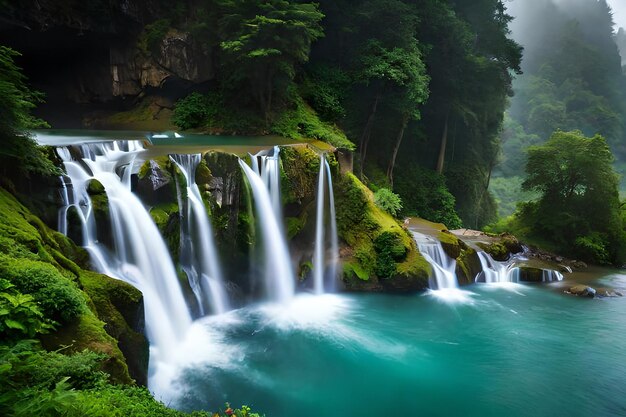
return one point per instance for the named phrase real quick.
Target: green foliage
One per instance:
(301, 122)
(20, 316)
(508, 192)
(578, 209)
(425, 194)
(325, 89)
(58, 297)
(195, 110)
(388, 201)
(389, 249)
(19, 152)
(263, 42)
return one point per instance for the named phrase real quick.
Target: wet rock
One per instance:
(582, 291)
(156, 177)
(608, 292)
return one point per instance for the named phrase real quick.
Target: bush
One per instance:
(20, 316)
(389, 250)
(425, 194)
(193, 110)
(58, 297)
(592, 249)
(387, 200)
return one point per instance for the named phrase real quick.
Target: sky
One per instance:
(619, 12)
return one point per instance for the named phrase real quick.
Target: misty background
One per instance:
(573, 79)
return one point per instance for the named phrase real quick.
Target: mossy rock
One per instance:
(203, 173)
(95, 187)
(411, 275)
(120, 306)
(467, 266)
(451, 245)
(530, 274)
(497, 250)
(381, 248)
(502, 247)
(87, 332)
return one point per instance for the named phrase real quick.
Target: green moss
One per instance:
(497, 250)
(467, 266)
(120, 306)
(295, 225)
(381, 246)
(299, 171)
(203, 173)
(87, 332)
(450, 244)
(354, 269)
(301, 122)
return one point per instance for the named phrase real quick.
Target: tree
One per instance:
(263, 42)
(18, 153)
(579, 199)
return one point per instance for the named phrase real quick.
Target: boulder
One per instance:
(582, 291)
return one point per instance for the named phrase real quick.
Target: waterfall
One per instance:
(499, 272)
(198, 256)
(266, 164)
(334, 240)
(494, 271)
(444, 274)
(320, 246)
(279, 278)
(320, 263)
(549, 275)
(140, 257)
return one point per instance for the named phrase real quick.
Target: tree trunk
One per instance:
(365, 137)
(392, 162)
(442, 149)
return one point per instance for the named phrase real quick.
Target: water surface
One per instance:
(515, 350)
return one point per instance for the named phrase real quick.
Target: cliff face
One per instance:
(88, 56)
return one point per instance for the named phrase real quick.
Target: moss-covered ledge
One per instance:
(379, 255)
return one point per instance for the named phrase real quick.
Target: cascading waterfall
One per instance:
(279, 277)
(444, 274)
(140, 257)
(198, 256)
(502, 272)
(266, 164)
(320, 263)
(494, 271)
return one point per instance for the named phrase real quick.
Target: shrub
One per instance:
(425, 194)
(388, 201)
(58, 297)
(592, 249)
(20, 316)
(193, 110)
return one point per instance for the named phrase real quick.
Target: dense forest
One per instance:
(451, 117)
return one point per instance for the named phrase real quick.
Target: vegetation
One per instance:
(19, 155)
(578, 210)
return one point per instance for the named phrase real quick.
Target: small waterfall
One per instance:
(140, 256)
(279, 278)
(549, 275)
(320, 263)
(198, 256)
(334, 240)
(494, 271)
(266, 164)
(444, 274)
(320, 246)
(499, 272)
